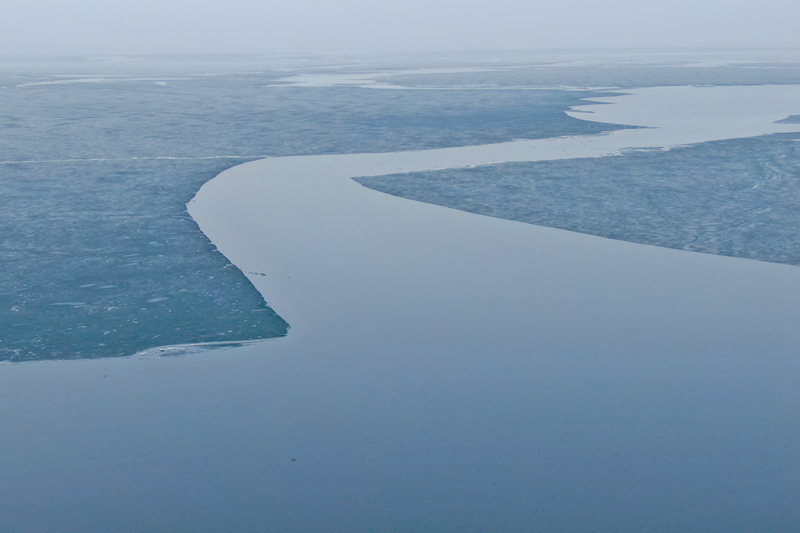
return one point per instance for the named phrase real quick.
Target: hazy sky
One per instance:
(371, 25)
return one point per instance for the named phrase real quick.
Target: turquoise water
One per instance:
(738, 197)
(98, 159)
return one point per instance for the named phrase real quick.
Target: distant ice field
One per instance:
(99, 155)
(98, 256)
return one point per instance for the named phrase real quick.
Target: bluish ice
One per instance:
(738, 197)
(98, 256)
(98, 158)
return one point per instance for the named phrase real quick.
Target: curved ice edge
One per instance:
(157, 352)
(306, 195)
(178, 350)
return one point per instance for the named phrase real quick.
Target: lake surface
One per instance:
(510, 377)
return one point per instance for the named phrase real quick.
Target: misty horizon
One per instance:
(364, 26)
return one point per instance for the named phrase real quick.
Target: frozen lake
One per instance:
(444, 371)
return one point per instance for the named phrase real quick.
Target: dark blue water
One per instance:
(738, 197)
(98, 256)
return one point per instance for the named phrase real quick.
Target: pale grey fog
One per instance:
(372, 25)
